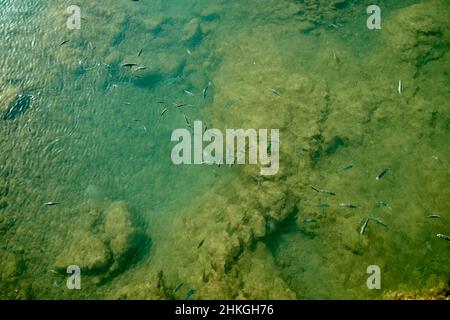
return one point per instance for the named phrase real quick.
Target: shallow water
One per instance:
(96, 140)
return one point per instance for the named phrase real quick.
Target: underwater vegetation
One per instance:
(86, 178)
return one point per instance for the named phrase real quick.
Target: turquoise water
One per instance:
(96, 139)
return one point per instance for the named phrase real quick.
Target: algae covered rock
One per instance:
(210, 13)
(191, 30)
(154, 24)
(86, 251)
(420, 32)
(439, 291)
(10, 265)
(162, 65)
(306, 26)
(316, 13)
(275, 201)
(7, 98)
(13, 103)
(261, 278)
(168, 64)
(123, 237)
(105, 247)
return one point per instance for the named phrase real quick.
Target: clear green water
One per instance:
(95, 136)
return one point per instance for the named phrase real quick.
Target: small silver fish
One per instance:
(327, 192)
(129, 65)
(434, 216)
(190, 293)
(275, 92)
(400, 87)
(382, 174)
(382, 204)
(230, 104)
(322, 206)
(187, 120)
(443, 236)
(177, 288)
(379, 221)
(364, 226)
(205, 90)
(348, 167)
(309, 220)
(163, 112)
(189, 93)
(62, 43)
(51, 203)
(348, 205)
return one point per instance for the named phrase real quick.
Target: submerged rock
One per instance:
(191, 31)
(333, 145)
(169, 64)
(107, 247)
(154, 24)
(123, 237)
(13, 103)
(316, 14)
(210, 13)
(21, 103)
(439, 291)
(7, 97)
(306, 26)
(86, 251)
(160, 66)
(10, 265)
(261, 279)
(420, 33)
